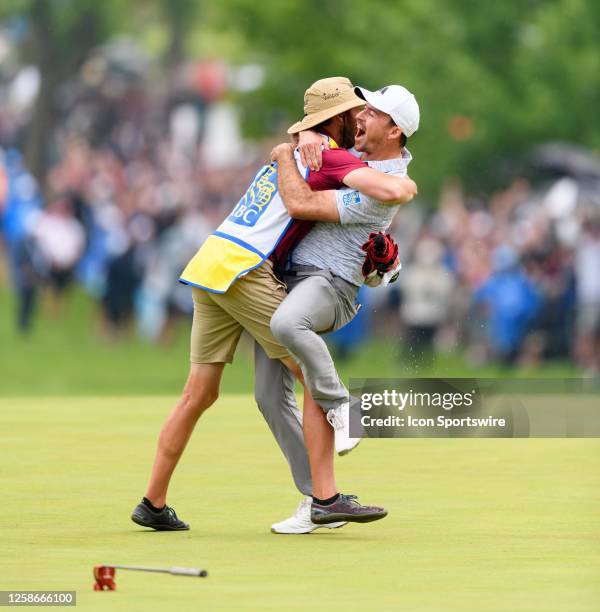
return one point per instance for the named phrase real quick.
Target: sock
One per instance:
(150, 507)
(326, 502)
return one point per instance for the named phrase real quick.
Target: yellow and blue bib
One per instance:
(246, 238)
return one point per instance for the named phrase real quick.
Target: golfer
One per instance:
(323, 279)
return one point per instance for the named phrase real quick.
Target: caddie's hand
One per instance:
(310, 147)
(283, 149)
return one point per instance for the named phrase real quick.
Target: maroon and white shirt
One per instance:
(337, 163)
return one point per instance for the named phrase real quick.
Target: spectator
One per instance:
(21, 201)
(587, 269)
(511, 301)
(426, 286)
(125, 272)
(60, 238)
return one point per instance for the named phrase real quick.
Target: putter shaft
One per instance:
(175, 571)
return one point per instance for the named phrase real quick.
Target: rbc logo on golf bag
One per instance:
(255, 201)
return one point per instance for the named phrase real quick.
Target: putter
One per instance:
(105, 574)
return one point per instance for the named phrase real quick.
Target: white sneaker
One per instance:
(339, 419)
(300, 522)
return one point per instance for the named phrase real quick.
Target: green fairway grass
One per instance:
(66, 354)
(474, 524)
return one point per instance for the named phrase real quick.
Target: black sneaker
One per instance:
(166, 520)
(345, 508)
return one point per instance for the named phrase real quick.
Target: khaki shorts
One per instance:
(220, 318)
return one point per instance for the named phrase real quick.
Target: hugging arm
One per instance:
(299, 199)
(303, 203)
(385, 188)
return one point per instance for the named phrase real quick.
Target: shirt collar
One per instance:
(398, 164)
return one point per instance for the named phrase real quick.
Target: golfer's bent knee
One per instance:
(278, 324)
(285, 328)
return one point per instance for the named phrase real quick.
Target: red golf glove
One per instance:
(381, 253)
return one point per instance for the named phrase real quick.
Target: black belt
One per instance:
(296, 269)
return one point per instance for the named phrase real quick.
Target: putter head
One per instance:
(105, 578)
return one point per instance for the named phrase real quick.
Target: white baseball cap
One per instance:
(397, 102)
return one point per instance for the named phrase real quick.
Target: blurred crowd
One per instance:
(121, 226)
(512, 279)
(134, 187)
(136, 182)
